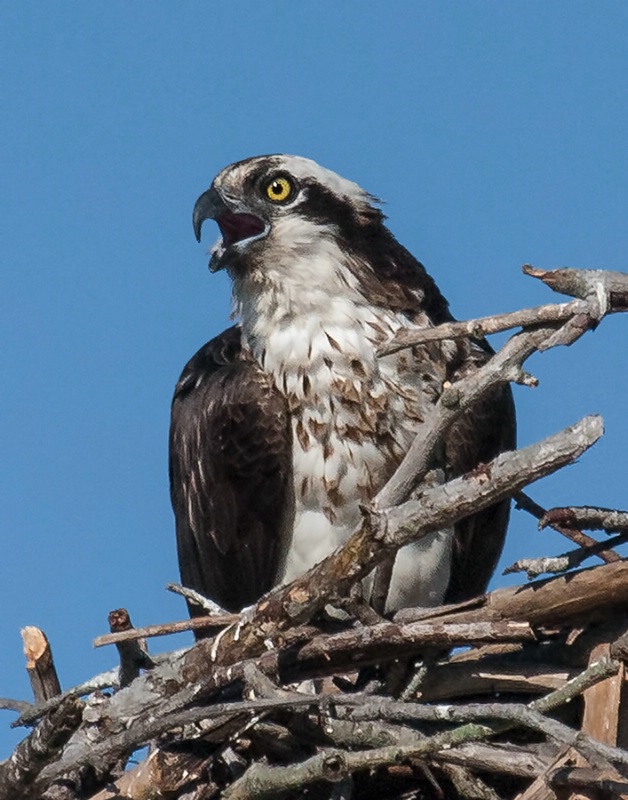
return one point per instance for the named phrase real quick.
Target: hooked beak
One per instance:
(234, 226)
(208, 206)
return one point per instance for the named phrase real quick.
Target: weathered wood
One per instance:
(540, 789)
(133, 653)
(164, 773)
(42, 747)
(166, 629)
(40, 664)
(593, 593)
(602, 702)
(601, 718)
(525, 502)
(590, 784)
(451, 681)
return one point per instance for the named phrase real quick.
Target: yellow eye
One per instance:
(278, 190)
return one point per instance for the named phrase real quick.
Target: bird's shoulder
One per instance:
(224, 350)
(225, 392)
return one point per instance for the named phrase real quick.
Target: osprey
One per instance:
(286, 422)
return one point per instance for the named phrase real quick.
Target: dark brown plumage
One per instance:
(230, 475)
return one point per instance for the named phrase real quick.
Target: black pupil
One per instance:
(276, 187)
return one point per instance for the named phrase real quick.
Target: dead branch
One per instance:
(484, 326)
(166, 629)
(593, 519)
(611, 287)
(9, 704)
(592, 288)
(552, 602)
(570, 560)
(40, 748)
(333, 764)
(510, 759)
(573, 778)
(32, 713)
(523, 501)
(40, 665)
(504, 367)
(209, 605)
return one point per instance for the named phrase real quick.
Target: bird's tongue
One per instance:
(236, 227)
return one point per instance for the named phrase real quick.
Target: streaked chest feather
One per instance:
(354, 415)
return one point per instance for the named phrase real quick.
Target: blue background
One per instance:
(495, 131)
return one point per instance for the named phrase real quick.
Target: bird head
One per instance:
(272, 206)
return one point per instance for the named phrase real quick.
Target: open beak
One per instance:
(234, 226)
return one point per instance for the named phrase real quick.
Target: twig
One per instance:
(591, 518)
(556, 564)
(525, 502)
(391, 640)
(484, 326)
(166, 628)
(101, 753)
(585, 283)
(384, 707)
(21, 706)
(198, 599)
(381, 583)
(503, 367)
(492, 758)
(105, 680)
(598, 292)
(593, 287)
(596, 672)
(551, 602)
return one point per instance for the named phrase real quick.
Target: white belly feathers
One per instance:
(354, 417)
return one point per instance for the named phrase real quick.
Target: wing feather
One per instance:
(230, 475)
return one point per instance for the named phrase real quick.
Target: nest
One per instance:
(312, 694)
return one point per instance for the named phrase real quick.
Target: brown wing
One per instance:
(230, 475)
(488, 429)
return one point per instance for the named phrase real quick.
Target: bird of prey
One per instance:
(285, 423)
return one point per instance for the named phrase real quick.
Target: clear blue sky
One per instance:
(497, 133)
